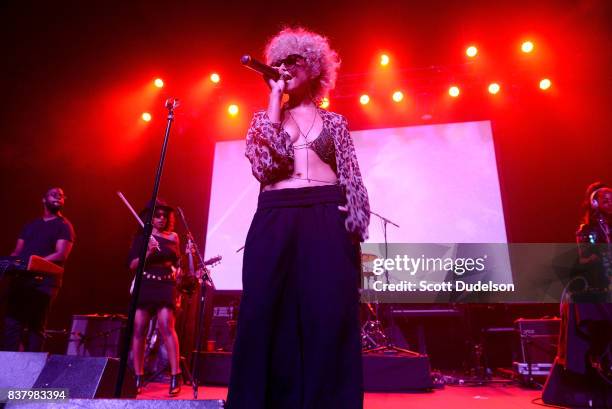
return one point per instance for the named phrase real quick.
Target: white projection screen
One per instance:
(439, 183)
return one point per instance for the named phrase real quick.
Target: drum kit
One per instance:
(372, 332)
(374, 337)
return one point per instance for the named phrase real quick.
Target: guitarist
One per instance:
(158, 292)
(29, 297)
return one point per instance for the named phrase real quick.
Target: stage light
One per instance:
(384, 60)
(545, 84)
(398, 96)
(324, 103)
(471, 51)
(159, 83)
(494, 88)
(454, 91)
(215, 78)
(146, 117)
(364, 99)
(527, 47)
(233, 110)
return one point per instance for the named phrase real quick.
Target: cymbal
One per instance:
(366, 258)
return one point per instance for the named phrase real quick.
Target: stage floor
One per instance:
(472, 397)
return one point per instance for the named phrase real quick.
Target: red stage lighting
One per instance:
(494, 88)
(215, 78)
(527, 47)
(159, 83)
(545, 84)
(364, 99)
(146, 116)
(324, 103)
(398, 96)
(454, 91)
(471, 51)
(233, 110)
(384, 60)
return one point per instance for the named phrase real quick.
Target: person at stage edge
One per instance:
(298, 340)
(594, 245)
(157, 292)
(30, 295)
(586, 329)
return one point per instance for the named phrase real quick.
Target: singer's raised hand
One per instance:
(276, 94)
(153, 245)
(278, 87)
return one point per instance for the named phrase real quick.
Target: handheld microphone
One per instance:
(260, 67)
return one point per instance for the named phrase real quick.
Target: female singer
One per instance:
(298, 342)
(157, 293)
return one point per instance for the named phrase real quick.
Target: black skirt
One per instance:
(155, 293)
(298, 338)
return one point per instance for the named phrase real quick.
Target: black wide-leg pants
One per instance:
(298, 339)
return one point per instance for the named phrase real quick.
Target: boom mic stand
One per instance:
(171, 104)
(389, 346)
(204, 280)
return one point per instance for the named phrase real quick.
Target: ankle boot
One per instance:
(139, 384)
(175, 384)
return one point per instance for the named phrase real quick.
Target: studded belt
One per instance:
(164, 277)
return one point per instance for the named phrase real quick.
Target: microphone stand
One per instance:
(385, 222)
(389, 346)
(204, 280)
(171, 104)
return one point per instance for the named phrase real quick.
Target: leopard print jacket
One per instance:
(268, 148)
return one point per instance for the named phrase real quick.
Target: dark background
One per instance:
(77, 75)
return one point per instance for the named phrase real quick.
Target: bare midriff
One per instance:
(309, 170)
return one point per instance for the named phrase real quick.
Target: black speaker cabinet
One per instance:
(538, 339)
(213, 367)
(96, 335)
(84, 377)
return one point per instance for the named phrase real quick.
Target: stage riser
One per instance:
(122, 403)
(381, 372)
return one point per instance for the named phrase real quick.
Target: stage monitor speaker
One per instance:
(21, 369)
(96, 335)
(84, 377)
(122, 404)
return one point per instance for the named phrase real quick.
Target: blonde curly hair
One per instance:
(321, 61)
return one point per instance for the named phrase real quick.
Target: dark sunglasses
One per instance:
(289, 61)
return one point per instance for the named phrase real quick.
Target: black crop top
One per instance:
(168, 252)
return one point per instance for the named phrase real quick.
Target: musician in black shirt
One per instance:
(29, 295)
